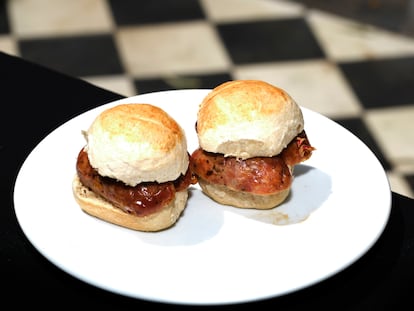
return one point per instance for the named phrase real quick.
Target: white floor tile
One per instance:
(317, 85)
(58, 17)
(346, 40)
(394, 131)
(243, 10)
(8, 45)
(169, 49)
(399, 185)
(119, 84)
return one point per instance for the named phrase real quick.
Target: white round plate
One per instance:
(338, 207)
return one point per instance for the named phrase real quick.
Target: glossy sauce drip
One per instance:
(141, 200)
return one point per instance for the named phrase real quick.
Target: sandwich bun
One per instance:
(248, 118)
(134, 169)
(250, 134)
(226, 196)
(97, 206)
(134, 143)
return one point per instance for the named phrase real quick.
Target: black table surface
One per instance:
(36, 100)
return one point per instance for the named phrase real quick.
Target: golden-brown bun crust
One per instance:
(248, 118)
(134, 143)
(94, 205)
(223, 195)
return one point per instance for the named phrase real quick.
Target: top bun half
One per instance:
(248, 118)
(136, 143)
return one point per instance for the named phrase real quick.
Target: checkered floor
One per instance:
(350, 64)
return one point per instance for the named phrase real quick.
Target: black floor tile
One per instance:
(76, 56)
(382, 83)
(207, 81)
(359, 129)
(4, 19)
(410, 181)
(269, 40)
(132, 12)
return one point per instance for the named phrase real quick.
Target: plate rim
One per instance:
(201, 91)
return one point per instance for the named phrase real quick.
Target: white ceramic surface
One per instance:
(338, 207)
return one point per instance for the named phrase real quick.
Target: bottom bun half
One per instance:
(96, 206)
(223, 195)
